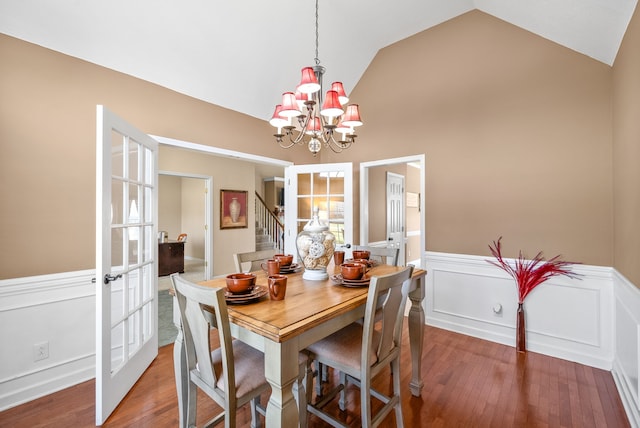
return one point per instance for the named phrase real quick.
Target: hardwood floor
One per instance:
(468, 383)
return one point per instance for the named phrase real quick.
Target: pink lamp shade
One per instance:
(331, 106)
(289, 105)
(313, 126)
(276, 120)
(300, 99)
(342, 96)
(343, 129)
(309, 82)
(351, 117)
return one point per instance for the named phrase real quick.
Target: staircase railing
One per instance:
(270, 223)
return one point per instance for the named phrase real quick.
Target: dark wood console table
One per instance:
(170, 257)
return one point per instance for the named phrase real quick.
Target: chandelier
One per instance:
(320, 121)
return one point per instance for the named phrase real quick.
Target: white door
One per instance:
(126, 268)
(396, 214)
(326, 186)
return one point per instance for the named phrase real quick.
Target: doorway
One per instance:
(185, 207)
(415, 233)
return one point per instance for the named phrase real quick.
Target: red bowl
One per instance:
(240, 283)
(361, 254)
(284, 259)
(352, 270)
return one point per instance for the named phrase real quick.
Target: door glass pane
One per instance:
(117, 347)
(148, 277)
(149, 323)
(117, 149)
(117, 211)
(147, 243)
(117, 245)
(147, 206)
(135, 296)
(134, 159)
(304, 184)
(148, 167)
(117, 300)
(134, 328)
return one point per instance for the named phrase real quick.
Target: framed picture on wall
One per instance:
(233, 209)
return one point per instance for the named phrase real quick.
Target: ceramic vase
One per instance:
(234, 210)
(315, 245)
(521, 331)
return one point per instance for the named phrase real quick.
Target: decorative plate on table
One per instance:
(293, 267)
(255, 294)
(355, 283)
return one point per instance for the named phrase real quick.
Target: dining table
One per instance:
(310, 311)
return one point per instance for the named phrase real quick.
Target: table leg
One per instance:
(416, 331)
(281, 371)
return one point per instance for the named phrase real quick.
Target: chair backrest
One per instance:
(386, 255)
(384, 311)
(251, 261)
(196, 325)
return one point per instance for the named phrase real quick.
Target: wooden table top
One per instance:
(306, 304)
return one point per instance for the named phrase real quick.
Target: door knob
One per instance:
(110, 278)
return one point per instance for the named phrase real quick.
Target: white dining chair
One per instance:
(249, 262)
(385, 255)
(233, 374)
(362, 350)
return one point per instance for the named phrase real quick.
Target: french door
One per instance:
(328, 187)
(126, 252)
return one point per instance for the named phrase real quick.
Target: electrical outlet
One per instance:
(40, 351)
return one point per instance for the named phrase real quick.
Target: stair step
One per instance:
(264, 246)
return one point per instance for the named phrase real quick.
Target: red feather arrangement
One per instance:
(530, 274)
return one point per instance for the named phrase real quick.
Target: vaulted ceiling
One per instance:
(243, 54)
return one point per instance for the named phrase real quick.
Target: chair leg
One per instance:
(255, 416)
(319, 368)
(343, 381)
(365, 402)
(396, 391)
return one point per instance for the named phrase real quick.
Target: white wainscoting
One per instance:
(566, 318)
(627, 332)
(593, 321)
(58, 309)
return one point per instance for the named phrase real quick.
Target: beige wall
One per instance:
(626, 153)
(47, 149)
(516, 131)
(228, 174)
(169, 206)
(193, 216)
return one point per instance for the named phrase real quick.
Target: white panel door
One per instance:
(326, 186)
(396, 214)
(126, 251)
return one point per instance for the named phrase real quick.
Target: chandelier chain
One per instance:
(317, 59)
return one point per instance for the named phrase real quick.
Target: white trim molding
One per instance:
(626, 366)
(565, 318)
